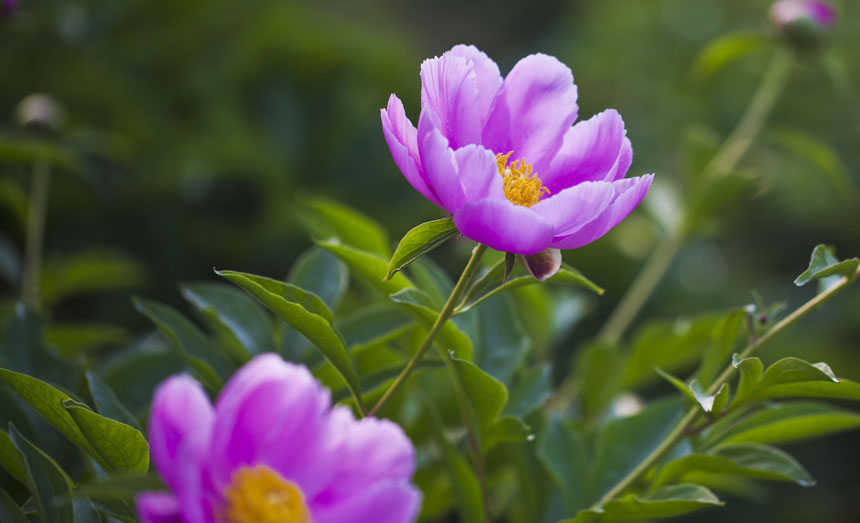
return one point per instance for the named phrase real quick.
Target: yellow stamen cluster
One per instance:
(260, 495)
(522, 186)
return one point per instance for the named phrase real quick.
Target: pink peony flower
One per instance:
(273, 449)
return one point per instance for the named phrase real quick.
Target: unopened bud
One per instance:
(803, 22)
(40, 112)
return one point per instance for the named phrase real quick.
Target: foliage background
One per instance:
(194, 130)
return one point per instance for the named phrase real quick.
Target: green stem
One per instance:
(444, 314)
(35, 233)
(681, 428)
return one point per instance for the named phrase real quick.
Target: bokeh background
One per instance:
(193, 130)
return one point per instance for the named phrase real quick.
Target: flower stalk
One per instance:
(37, 210)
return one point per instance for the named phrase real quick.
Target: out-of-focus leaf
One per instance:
(563, 452)
(235, 315)
(27, 149)
(417, 304)
(466, 488)
(491, 283)
(666, 502)
(13, 197)
(504, 343)
(10, 459)
(530, 392)
(486, 394)
(419, 241)
(106, 402)
(325, 219)
(369, 265)
(121, 486)
(307, 314)
(72, 339)
(682, 387)
(710, 403)
(85, 511)
(22, 347)
(596, 370)
(10, 512)
(723, 50)
(118, 447)
(431, 278)
(824, 263)
(723, 336)
(89, 271)
(624, 442)
(322, 273)
(749, 460)
(781, 423)
(506, 429)
(134, 373)
(48, 483)
(375, 324)
(209, 366)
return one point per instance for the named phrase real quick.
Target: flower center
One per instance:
(260, 495)
(522, 186)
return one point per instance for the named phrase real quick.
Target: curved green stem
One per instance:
(444, 314)
(35, 232)
(681, 428)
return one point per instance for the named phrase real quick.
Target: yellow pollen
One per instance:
(522, 186)
(260, 495)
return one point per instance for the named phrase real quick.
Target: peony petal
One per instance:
(629, 192)
(542, 265)
(401, 137)
(479, 173)
(180, 425)
(440, 167)
(622, 163)
(158, 507)
(385, 502)
(503, 226)
(589, 151)
(275, 413)
(487, 77)
(574, 207)
(533, 110)
(449, 89)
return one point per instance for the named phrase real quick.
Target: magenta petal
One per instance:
(622, 163)
(503, 226)
(271, 412)
(440, 167)
(487, 76)
(479, 173)
(158, 507)
(629, 192)
(385, 502)
(401, 137)
(449, 89)
(575, 206)
(588, 152)
(180, 425)
(533, 110)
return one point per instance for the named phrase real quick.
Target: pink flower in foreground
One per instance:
(504, 157)
(273, 449)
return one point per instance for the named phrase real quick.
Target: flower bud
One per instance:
(803, 22)
(7, 7)
(40, 112)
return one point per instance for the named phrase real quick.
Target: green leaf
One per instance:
(419, 241)
(73, 339)
(118, 447)
(106, 402)
(465, 485)
(563, 452)
(682, 387)
(723, 337)
(369, 265)
(10, 458)
(417, 305)
(710, 403)
(233, 314)
(666, 502)
(845, 390)
(530, 392)
(29, 149)
(506, 429)
(596, 370)
(824, 263)
(208, 365)
(320, 272)
(790, 377)
(725, 49)
(89, 271)
(48, 484)
(10, 512)
(307, 314)
(486, 394)
(748, 460)
(781, 423)
(750, 370)
(325, 219)
(721, 399)
(504, 343)
(491, 283)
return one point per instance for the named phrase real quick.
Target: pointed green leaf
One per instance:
(48, 484)
(665, 502)
(118, 447)
(304, 312)
(506, 429)
(486, 394)
(824, 263)
(10, 459)
(325, 218)
(750, 370)
(418, 305)
(369, 265)
(419, 241)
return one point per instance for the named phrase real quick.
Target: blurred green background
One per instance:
(193, 131)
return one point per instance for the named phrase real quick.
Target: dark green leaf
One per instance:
(504, 343)
(682, 387)
(10, 512)
(72, 339)
(417, 304)
(301, 311)
(10, 458)
(824, 263)
(563, 452)
(106, 402)
(374, 324)
(325, 219)
(506, 429)
(666, 502)
(89, 271)
(723, 336)
(596, 371)
(530, 392)
(118, 447)
(486, 394)
(419, 241)
(370, 266)
(465, 485)
(48, 484)
(320, 272)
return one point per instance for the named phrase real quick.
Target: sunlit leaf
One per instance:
(117, 446)
(419, 241)
(665, 502)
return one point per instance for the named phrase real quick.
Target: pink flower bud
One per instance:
(788, 13)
